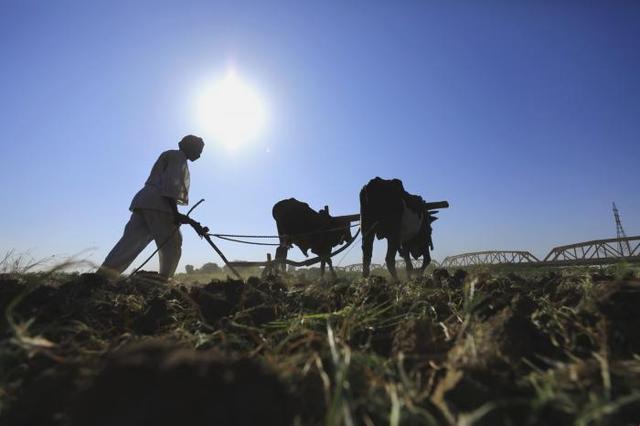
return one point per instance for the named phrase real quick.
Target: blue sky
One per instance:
(524, 115)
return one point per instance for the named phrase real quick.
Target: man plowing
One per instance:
(154, 212)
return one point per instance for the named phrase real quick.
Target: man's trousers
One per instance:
(143, 227)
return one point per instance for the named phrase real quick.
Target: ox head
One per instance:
(337, 229)
(431, 210)
(340, 232)
(421, 243)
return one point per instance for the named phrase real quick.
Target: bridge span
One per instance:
(492, 257)
(595, 252)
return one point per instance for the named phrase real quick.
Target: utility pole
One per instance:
(620, 233)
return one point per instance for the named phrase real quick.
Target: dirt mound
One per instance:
(620, 304)
(420, 340)
(376, 290)
(157, 384)
(10, 288)
(217, 300)
(441, 277)
(44, 393)
(465, 390)
(156, 315)
(508, 339)
(256, 301)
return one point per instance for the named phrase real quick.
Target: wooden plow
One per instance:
(271, 265)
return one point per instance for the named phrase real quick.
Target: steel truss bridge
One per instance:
(489, 258)
(357, 267)
(399, 265)
(596, 252)
(416, 263)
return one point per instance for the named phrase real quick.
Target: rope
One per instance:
(317, 259)
(362, 237)
(344, 255)
(243, 236)
(231, 237)
(307, 262)
(244, 242)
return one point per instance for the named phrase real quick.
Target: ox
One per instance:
(388, 211)
(299, 224)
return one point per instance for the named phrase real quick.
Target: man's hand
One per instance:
(181, 219)
(201, 230)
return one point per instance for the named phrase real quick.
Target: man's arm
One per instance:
(183, 219)
(177, 216)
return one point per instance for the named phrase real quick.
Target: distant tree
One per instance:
(242, 270)
(190, 269)
(209, 268)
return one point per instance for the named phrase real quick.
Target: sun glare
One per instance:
(231, 112)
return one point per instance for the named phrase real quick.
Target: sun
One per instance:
(231, 112)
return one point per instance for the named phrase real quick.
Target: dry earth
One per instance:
(556, 347)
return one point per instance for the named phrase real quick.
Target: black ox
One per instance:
(319, 232)
(388, 211)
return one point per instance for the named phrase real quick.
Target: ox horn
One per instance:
(436, 205)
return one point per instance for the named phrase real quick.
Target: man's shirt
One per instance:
(169, 177)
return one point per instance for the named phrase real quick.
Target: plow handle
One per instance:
(203, 231)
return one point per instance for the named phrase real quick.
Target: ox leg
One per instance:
(333, 272)
(426, 260)
(390, 258)
(367, 251)
(327, 260)
(407, 262)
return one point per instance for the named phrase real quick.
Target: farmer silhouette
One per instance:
(154, 212)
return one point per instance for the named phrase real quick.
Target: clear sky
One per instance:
(524, 115)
